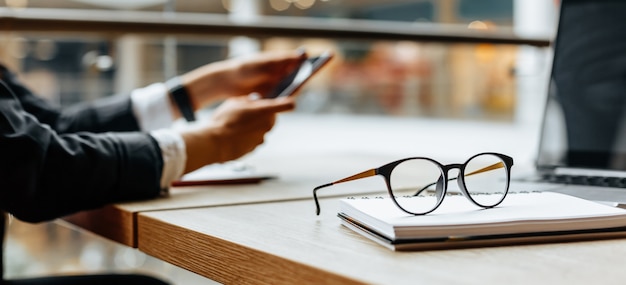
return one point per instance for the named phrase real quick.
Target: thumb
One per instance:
(275, 105)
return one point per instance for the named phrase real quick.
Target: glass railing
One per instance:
(381, 67)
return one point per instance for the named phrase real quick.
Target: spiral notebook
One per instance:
(531, 217)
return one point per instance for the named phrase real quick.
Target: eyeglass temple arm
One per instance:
(364, 174)
(484, 169)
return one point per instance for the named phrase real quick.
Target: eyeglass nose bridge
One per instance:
(459, 178)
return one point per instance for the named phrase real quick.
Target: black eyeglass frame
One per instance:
(441, 184)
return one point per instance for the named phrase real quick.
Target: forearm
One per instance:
(77, 172)
(46, 175)
(112, 113)
(108, 114)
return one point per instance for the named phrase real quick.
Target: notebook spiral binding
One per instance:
(448, 194)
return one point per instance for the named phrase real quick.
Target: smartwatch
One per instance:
(176, 88)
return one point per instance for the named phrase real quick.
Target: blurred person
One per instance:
(390, 78)
(55, 162)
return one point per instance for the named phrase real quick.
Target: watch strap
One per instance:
(181, 98)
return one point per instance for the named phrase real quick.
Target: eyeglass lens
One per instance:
(409, 178)
(417, 184)
(486, 179)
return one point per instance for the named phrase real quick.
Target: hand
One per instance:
(259, 73)
(237, 127)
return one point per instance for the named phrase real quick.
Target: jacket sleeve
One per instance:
(104, 115)
(52, 169)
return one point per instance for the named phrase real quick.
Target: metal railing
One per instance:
(162, 23)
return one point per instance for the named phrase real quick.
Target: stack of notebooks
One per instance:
(535, 217)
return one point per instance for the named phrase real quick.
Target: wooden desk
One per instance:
(269, 232)
(285, 243)
(295, 181)
(306, 151)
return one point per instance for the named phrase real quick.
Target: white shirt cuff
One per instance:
(174, 155)
(152, 107)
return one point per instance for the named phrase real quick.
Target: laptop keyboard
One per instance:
(617, 182)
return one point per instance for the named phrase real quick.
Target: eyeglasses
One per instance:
(413, 178)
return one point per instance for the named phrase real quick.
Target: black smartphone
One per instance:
(298, 77)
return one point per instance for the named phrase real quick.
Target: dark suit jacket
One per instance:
(56, 162)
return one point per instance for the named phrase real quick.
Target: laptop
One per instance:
(582, 148)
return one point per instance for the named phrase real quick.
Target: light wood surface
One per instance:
(307, 151)
(284, 242)
(296, 180)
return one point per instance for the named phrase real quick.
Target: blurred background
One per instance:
(449, 60)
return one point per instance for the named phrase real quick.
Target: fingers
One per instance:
(243, 113)
(273, 105)
(239, 76)
(238, 127)
(270, 63)
(252, 106)
(279, 59)
(264, 72)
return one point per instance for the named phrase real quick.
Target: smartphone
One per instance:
(298, 77)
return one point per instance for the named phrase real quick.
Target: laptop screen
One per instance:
(584, 123)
